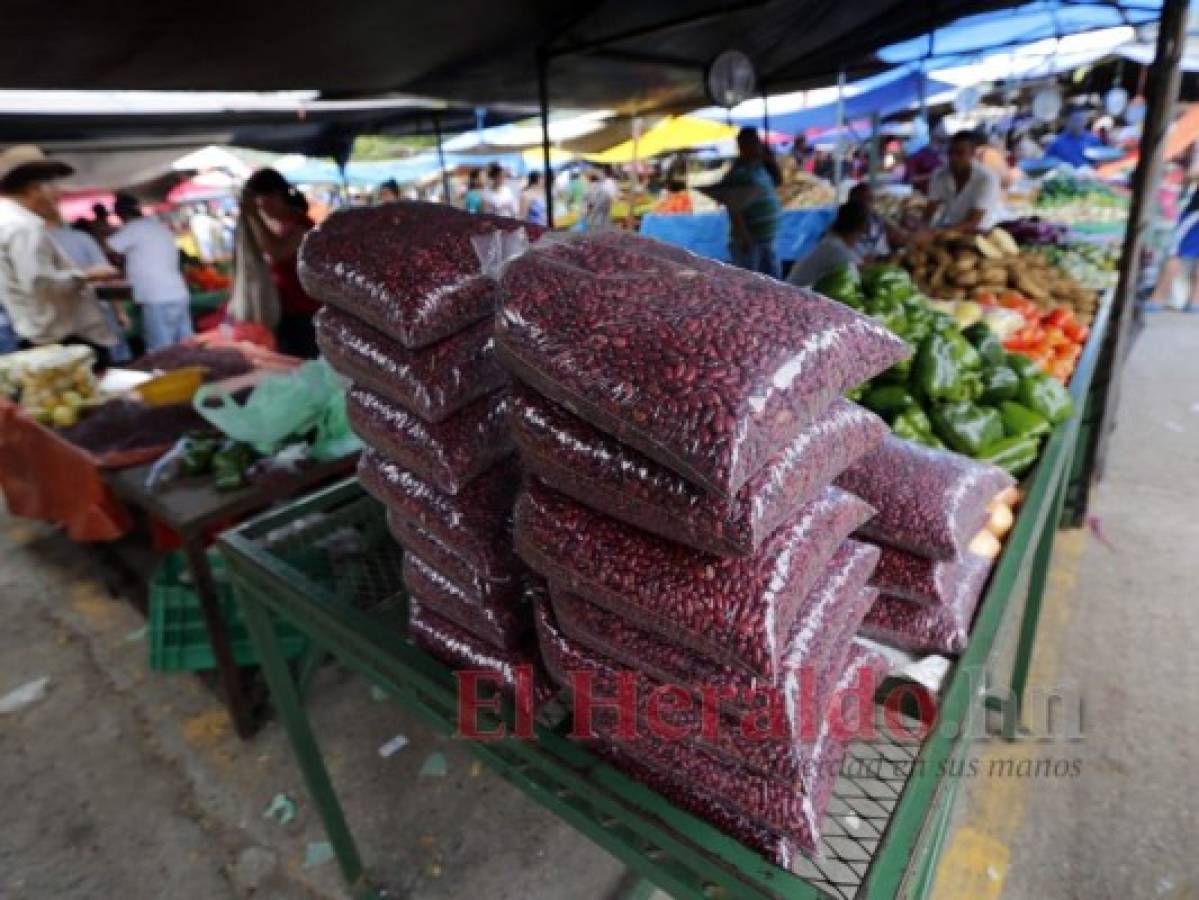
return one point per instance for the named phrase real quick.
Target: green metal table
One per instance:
(891, 809)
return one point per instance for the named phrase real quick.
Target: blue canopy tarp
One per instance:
(708, 233)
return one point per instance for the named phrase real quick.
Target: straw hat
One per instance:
(23, 163)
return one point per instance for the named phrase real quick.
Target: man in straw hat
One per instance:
(46, 298)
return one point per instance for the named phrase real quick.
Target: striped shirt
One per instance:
(761, 214)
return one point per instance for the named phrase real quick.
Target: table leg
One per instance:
(232, 684)
(303, 743)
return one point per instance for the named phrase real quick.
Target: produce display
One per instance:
(411, 293)
(52, 383)
(1092, 265)
(206, 277)
(962, 389)
(219, 363)
(806, 191)
(126, 425)
(1081, 199)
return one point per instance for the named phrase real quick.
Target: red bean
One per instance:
(706, 369)
(433, 382)
(448, 562)
(584, 463)
(918, 579)
(500, 621)
(929, 502)
(408, 269)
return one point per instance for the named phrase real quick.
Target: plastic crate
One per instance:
(178, 637)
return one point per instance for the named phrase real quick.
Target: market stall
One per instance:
(708, 233)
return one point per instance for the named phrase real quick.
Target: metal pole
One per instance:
(837, 162)
(765, 117)
(445, 176)
(1161, 92)
(876, 125)
(543, 99)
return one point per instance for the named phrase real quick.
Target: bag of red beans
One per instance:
(433, 382)
(448, 454)
(408, 269)
(814, 656)
(707, 369)
(944, 628)
(502, 624)
(917, 579)
(505, 589)
(476, 523)
(593, 468)
(929, 502)
(738, 611)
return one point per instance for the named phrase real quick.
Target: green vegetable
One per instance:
(889, 313)
(1016, 455)
(888, 399)
(1046, 396)
(935, 370)
(856, 393)
(842, 285)
(229, 465)
(1022, 365)
(897, 374)
(913, 425)
(197, 454)
(890, 281)
(1020, 421)
(983, 340)
(963, 350)
(998, 384)
(965, 427)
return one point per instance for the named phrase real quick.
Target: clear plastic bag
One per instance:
(409, 269)
(506, 589)
(737, 611)
(588, 465)
(461, 651)
(433, 382)
(707, 369)
(815, 653)
(929, 502)
(476, 523)
(931, 629)
(449, 454)
(917, 579)
(502, 623)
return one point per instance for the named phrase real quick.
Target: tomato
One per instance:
(1062, 370)
(1055, 337)
(985, 298)
(1076, 331)
(1058, 317)
(1068, 351)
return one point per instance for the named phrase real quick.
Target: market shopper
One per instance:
(472, 200)
(389, 192)
(498, 198)
(597, 202)
(86, 253)
(836, 250)
(922, 164)
(532, 201)
(964, 194)
(1184, 254)
(45, 297)
(1072, 144)
(880, 236)
(754, 220)
(151, 262)
(276, 215)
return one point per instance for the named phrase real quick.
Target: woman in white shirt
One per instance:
(498, 198)
(836, 249)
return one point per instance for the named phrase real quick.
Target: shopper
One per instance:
(1184, 253)
(964, 194)
(472, 200)
(277, 217)
(151, 263)
(1072, 144)
(836, 250)
(597, 202)
(880, 236)
(497, 196)
(389, 192)
(46, 299)
(532, 201)
(920, 166)
(85, 252)
(754, 220)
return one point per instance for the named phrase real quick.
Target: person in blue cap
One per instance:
(1072, 144)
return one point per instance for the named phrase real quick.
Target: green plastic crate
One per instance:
(178, 637)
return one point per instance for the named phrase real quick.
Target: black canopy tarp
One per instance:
(605, 53)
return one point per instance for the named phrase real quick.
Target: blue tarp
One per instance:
(414, 168)
(708, 233)
(884, 94)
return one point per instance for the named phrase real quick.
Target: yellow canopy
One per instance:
(534, 158)
(672, 133)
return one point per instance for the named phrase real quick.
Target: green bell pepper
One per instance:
(1022, 365)
(856, 393)
(1015, 455)
(1046, 396)
(935, 370)
(897, 374)
(842, 285)
(229, 465)
(887, 280)
(998, 384)
(967, 357)
(889, 313)
(888, 400)
(198, 451)
(965, 427)
(983, 339)
(913, 425)
(1020, 421)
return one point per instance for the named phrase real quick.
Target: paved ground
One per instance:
(120, 783)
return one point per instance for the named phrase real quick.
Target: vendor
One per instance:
(836, 250)
(755, 223)
(46, 298)
(1072, 144)
(277, 216)
(964, 194)
(880, 236)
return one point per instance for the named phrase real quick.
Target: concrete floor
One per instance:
(123, 783)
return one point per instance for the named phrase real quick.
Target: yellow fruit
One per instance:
(63, 416)
(71, 399)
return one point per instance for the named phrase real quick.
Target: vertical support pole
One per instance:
(765, 116)
(1162, 91)
(837, 161)
(543, 100)
(445, 176)
(876, 124)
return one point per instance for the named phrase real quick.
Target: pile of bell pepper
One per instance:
(961, 389)
(1053, 339)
